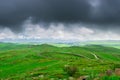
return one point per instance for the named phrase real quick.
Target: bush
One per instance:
(117, 65)
(70, 70)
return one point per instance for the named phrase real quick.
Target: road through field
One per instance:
(96, 57)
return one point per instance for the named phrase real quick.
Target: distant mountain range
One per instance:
(58, 42)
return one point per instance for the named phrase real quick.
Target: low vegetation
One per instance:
(46, 62)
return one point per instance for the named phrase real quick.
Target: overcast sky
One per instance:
(60, 19)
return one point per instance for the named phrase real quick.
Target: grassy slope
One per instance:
(22, 61)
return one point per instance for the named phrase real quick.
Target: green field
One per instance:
(47, 62)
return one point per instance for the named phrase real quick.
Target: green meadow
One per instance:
(48, 62)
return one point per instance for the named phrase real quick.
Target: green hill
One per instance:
(18, 62)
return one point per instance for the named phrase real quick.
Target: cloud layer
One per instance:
(79, 32)
(64, 19)
(14, 12)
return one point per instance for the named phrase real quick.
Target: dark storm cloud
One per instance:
(108, 12)
(14, 12)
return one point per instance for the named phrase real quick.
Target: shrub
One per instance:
(115, 66)
(109, 72)
(70, 70)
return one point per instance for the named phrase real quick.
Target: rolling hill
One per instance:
(18, 61)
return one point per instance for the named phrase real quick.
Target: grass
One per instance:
(45, 62)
